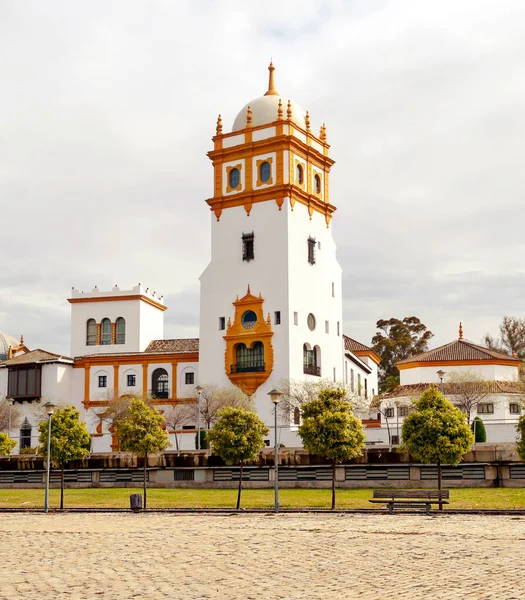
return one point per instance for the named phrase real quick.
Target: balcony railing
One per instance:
(246, 367)
(312, 370)
(164, 393)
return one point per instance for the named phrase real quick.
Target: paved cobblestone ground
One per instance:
(116, 556)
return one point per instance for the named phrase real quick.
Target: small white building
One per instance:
(498, 403)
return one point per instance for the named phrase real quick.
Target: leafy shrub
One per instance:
(479, 431)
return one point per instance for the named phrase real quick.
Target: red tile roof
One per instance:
(174, 346)
(354, 346)
(450, 389)
(459, 350)
(36, 356)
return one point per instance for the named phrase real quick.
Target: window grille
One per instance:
(91, 333)
(514, 409)
(132, 380)
(105, 332)
(189, 378)
(389, 413)
(121, 330)
(402, 411)
(248, 246)
(102, 381)
(486, 408)
(311, 250)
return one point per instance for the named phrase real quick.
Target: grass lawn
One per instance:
(496, 498)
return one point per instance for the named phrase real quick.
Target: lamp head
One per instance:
(441, 374)
(50, 408)
(198, 389)
(275, 396)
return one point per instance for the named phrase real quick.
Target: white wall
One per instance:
(429, 374)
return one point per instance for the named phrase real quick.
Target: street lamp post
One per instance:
(10, 402)
(50, 408)
(441, 374)
(275, 396)
(198, 389)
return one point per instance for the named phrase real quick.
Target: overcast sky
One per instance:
(107, 110)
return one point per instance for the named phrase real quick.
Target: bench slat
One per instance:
(393, 494)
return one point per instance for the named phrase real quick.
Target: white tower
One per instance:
(271, 306)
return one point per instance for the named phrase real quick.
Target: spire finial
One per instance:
(280, 110)
(289, 110)
(460, 331)
(249, 291)
(249, 117)
(322, 133)
(271, 86)
(307, 121)
(219, 127)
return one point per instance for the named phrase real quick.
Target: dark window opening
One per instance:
(120, 327)
(222, 323)
(249, 360)
(25, 382)
(277, 317)
(189, 378)
(25, 434)
(102, 381)
(132, 380)
(366, 389)
(234, 178)
(248, 246)
(299, 174)
(91, 333)
(159, 384)
(265, 172)
(317, 184)
(311, 250)
(105, 332)
(310, 366)
(389, 413)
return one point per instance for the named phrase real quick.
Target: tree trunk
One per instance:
(333, 485)
(239, 490)
(176, 442)
(62, 488)
(145, 482)
(440, 484)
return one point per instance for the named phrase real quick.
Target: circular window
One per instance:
(235, 177)
(311, 322)
(249, 319)
(265, 172)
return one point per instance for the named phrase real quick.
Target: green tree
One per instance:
(141, 433)
(479, 431)
(436, 432)
(6, 444)
(237, 436)
(512, 337)
(70, 440)
(520, 442)
(396, 340)
(331, 430)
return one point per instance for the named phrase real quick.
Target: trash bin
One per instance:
(135, 502)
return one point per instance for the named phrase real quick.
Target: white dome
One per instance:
(264, 110)
(7, 340)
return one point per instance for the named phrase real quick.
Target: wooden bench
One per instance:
(410, 498)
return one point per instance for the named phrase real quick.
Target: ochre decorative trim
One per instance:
(142, 297)
(236, 334)
(145, 379)
(228, 169)
(258, 164)
(368, 353)
(115, 380)
(87, 375)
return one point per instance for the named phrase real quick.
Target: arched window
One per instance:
(234, 178)
(159, 384)
(265, 172)
(310, 363)
(121, 330)
(249, 359)
(105, 332)
(296, 416)
(299, 174)
(25, 434)
(317, 184)
(91, 332)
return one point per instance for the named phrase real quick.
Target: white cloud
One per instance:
(108, 109)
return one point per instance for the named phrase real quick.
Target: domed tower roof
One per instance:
(7, 340)
(264, 109)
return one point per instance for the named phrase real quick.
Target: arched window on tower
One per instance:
(310, 361)
(105, 332)
(299, 174)
(317, 184)
(159, 384)
(91, 332)
(249, 360)
(120, 330)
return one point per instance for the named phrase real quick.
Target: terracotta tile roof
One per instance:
(180, 346)
(458, 350)
(354, 346)
(36, 356)
(450, 389)
(174, 346)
